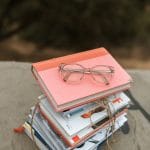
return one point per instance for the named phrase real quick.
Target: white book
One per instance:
(101, 135)
(71, 125)
(76, 125)
(91, 143)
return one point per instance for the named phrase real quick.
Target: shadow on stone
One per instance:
(137, 105)
(125, 128)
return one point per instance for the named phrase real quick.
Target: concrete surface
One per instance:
(18, 92)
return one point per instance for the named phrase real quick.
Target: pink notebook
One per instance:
(64, 96)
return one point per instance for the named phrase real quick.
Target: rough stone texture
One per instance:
(18, 92)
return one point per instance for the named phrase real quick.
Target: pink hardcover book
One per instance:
(63, 95)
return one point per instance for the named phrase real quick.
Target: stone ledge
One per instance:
(19, 90)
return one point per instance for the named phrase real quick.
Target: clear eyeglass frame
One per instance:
(74, 73)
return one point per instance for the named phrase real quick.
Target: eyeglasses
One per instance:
(74, 73)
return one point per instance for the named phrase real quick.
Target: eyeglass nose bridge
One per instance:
(87, 70)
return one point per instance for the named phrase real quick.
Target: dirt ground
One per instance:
(15, 49)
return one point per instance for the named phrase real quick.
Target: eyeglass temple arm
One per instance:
(104, 78)
(103, 71)
(65, 78)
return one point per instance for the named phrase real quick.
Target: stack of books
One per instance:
(83, 101)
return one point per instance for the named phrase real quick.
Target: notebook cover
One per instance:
(63, 93)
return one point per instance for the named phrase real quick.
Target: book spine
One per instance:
(37, 136)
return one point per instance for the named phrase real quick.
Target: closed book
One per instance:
(63, 95)
(89, 144)
(76, 140)
(69, 129)
(70, 125)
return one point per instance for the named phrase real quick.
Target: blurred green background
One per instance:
(33, 30)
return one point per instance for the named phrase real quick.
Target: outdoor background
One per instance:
(34, 30)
